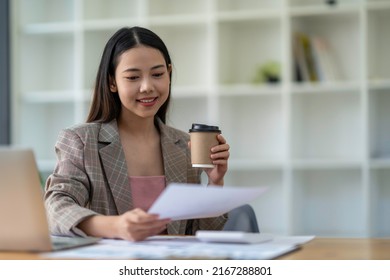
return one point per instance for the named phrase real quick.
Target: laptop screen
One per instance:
(22, 214)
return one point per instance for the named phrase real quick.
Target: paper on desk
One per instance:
(182, 247)
(190, 201)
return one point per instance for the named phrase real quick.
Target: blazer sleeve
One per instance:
(67, 190)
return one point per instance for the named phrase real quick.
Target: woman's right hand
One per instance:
(134, 225)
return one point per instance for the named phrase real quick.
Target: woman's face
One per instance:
(142, 81)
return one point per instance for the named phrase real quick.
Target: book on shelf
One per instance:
(325, 60)
(301, 69)
(313, 59)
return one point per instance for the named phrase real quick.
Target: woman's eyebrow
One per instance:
(136, 69)
(157, 66)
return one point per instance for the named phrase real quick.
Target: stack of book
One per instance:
(314, 60)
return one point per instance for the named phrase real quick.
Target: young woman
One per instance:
(112, 168)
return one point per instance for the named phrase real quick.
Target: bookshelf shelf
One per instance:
(326, 88)
(48, 96)
(248, 5)
(325, 164)
(320, 146)
(248, 90)
(318, 10)
(378, 5)
(49, 28)
(380, 163)
(263, 165)
(379, 84)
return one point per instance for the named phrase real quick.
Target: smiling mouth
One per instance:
(147, 100)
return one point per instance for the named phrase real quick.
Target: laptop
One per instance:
(23, 221)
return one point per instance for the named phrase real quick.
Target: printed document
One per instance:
(190, 201)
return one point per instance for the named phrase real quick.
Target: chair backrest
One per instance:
(242, 218)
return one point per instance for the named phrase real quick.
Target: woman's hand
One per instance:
(134, 225)
(219, 155)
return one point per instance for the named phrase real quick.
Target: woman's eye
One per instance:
(132, 78)
(158, 74)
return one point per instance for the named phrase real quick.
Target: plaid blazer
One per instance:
(90, 177)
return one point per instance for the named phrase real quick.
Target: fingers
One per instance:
(221, 139)
(138, 215)
(223, 146)
(143, 220)
(137, 225)
(220, 158)
(220, 153)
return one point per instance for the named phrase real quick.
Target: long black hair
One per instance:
(106, 104)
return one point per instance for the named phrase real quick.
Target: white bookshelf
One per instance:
(321, 147)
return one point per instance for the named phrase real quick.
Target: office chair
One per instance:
(242, 218)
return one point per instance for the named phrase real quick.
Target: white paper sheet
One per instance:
(189, 201)
(182, 247)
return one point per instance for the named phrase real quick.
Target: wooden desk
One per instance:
(317, 249)
(342, 249)
(19, 256)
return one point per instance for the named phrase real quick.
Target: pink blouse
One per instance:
(145, 190)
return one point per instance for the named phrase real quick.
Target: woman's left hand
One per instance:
(219, 155)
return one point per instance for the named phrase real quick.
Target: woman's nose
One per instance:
(146, 86)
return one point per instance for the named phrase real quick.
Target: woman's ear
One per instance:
(113, 87)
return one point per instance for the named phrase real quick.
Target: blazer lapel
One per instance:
(175, 168)
(175, 161)
(115, 167)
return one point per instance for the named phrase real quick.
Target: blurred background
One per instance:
(300, 88)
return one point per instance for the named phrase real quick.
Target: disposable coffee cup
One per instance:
(203, 138)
